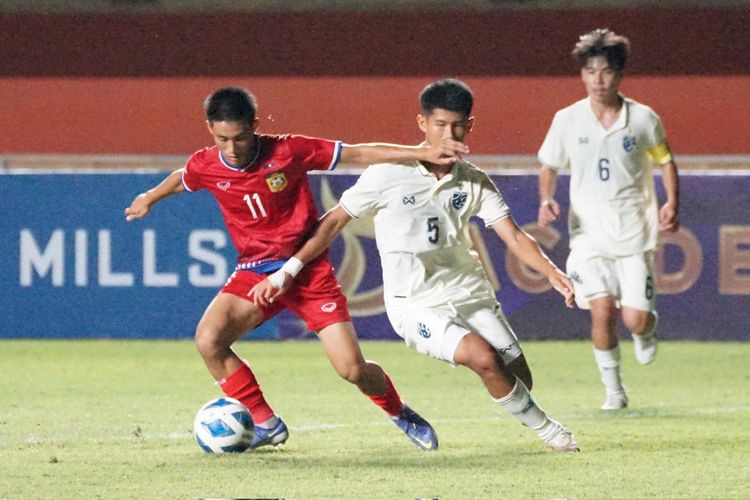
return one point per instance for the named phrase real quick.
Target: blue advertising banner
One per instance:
(72, 267)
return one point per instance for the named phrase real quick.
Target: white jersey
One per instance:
(421, 230)
(613, 208)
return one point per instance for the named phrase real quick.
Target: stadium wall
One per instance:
(73, 268)
(134, 83)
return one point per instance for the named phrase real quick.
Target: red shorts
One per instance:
(315, 297)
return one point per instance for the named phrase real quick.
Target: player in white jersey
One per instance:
(608, 142)
(437, 295)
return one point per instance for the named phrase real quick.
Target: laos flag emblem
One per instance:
(459, 199)
(276, 181)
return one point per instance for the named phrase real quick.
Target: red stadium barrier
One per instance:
(164, 116)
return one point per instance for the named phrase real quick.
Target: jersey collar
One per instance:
(237, 168)
(622, 118)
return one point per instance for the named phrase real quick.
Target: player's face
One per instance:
(235, 140)
(444, 124)
(601, 81)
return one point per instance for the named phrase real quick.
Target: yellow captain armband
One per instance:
(661, 153)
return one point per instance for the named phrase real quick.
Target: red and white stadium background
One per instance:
(134, 83)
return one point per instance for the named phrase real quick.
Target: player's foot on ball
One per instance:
(276, 435)
(615, 401)
(645, 344)
(558, 437)
(417, 429)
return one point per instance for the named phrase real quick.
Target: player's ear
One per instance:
(422, 122)
(469, 124)
(255, 125)
(208, 126)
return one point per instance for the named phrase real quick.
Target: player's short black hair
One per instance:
(603, 42)
(449, 94)
(231, 104)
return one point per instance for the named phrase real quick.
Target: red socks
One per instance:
(243, 386)
(390, 401)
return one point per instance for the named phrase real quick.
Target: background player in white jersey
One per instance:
(437, 296)
(608, 142)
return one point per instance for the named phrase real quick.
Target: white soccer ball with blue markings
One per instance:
(223, 425)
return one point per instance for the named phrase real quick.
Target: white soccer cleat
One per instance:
(559, 438)
(645, 344)
(616, 400)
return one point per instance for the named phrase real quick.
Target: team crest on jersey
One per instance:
(628, 143)
(458, 200)
(276, 181)
(423, 330)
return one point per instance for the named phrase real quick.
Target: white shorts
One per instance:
(436, 331)
(630, 280)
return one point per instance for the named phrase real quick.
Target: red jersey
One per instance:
(267, 206)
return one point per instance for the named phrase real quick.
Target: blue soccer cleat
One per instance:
(276, 435)
(417, 429)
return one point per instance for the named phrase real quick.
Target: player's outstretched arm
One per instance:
(141, 205)
(446, 152)
(526, 248)
(669, 212)
(549, 210)
(329, 226)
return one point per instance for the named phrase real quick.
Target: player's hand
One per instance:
(564, 286)
(446, 152)
(549, 211)
(139, 208)
(668, 218)
(264, 293)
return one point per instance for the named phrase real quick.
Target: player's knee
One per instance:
(636, 323)
(484, 361)
(206, 341)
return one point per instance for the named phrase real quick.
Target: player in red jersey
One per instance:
(260, 183)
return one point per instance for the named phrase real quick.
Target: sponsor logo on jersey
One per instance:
(276, 181)
(270, 165)
(628, 143)
(583, 140)
(328, 307)
(409, 200)
(224, 185)
(423, 330)
(458, 200)
(576, 277)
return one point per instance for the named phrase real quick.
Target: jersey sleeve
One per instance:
(492, 206)
(552, 153)
(315, 154)
(658, 148)
(191, 179)
(363, 197)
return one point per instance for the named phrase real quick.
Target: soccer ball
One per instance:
(223, 425)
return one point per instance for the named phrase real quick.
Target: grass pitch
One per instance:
(112, 419)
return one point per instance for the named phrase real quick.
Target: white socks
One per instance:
(609, 368)
(521, 405)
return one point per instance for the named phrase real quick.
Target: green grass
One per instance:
(112, 419)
